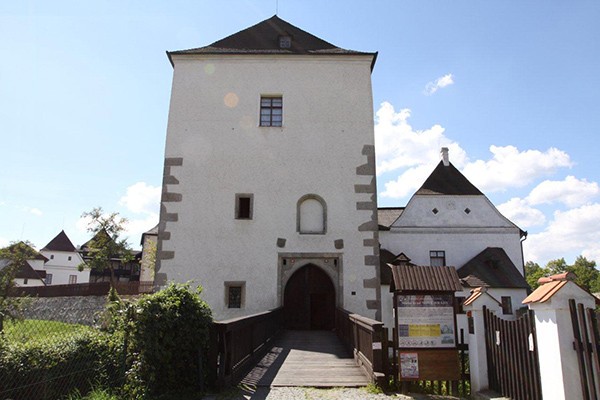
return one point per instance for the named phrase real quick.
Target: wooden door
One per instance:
(309, 300)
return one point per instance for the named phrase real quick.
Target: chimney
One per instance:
(445, 157)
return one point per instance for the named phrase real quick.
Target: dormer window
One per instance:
(285, 42)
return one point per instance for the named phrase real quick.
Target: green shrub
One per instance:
(168, 338)
(52, 369)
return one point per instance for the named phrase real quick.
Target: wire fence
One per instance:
(57, 353)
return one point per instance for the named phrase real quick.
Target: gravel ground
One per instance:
(300, 393)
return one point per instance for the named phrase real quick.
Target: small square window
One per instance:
(285, 42)
(244, 202)
(69, 258)
(48, 279)
(52, 256)
(234, 294)
(437, 258)
(271, 111)
(72, 279)
(506, 305)
(25, 281)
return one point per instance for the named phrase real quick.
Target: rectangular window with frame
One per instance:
(271, 111)
(506, 305)
(72, 279)
(437, 258)
(48, 279)
(244, 204)
(234, 294)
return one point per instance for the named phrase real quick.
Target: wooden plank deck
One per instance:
(307, 358)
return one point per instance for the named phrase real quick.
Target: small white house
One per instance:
(63, 261)
(29, 273)
(449, 222)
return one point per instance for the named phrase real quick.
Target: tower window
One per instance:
(234, 294)
(243, 205)
(271, 111)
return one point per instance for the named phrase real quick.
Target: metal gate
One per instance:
(586, 344)
(512, 356)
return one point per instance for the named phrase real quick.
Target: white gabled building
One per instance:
(63, 262)
(449, 222)
(269, 194)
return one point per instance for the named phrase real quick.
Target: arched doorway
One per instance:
(309, 300)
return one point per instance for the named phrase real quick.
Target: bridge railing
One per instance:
(240, 342)
(367, 340)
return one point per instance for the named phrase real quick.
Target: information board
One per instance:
(426, 320)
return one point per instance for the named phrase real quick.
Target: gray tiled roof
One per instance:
(60, 243)
(386, 216)
(492, 268)
(447, 180)
(263, 38)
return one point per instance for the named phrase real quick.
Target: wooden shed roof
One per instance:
(425, 278)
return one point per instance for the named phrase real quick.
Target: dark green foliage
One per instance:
(53, 369)
(587, 276)
(533, 272)
(168, 338)
(16, 255)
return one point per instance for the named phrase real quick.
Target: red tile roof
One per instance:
(477, 293)
(550, 285)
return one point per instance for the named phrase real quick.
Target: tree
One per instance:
(588, 277)
(533, 272)
(557, 266)
(12, 259)
(106, 249)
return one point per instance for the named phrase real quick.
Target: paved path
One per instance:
(303, 393)
(306, 358)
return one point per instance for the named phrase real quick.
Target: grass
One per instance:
(38, 331)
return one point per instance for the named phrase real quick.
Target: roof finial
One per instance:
(445, 157)
(276, 7)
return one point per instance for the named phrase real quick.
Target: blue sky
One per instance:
(511, 87)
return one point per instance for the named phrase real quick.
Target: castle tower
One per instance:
(269, 195)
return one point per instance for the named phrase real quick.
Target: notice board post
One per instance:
(425, 322)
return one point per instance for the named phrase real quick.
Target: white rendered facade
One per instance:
(459, 234)
(63, 266)
(216, 151)
(459, 226)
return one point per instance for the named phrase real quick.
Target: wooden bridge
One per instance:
(257, 351)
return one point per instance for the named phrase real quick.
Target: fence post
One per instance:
(559, 371)
(478, 362)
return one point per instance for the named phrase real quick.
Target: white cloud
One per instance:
(35, 211)
(135, 227)
(143, 202)
(398, 145)
(142, 198)
(510, 167)
(439, 83)
(408, 182)
(571, 191)
(521, 213)
(574, 231)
